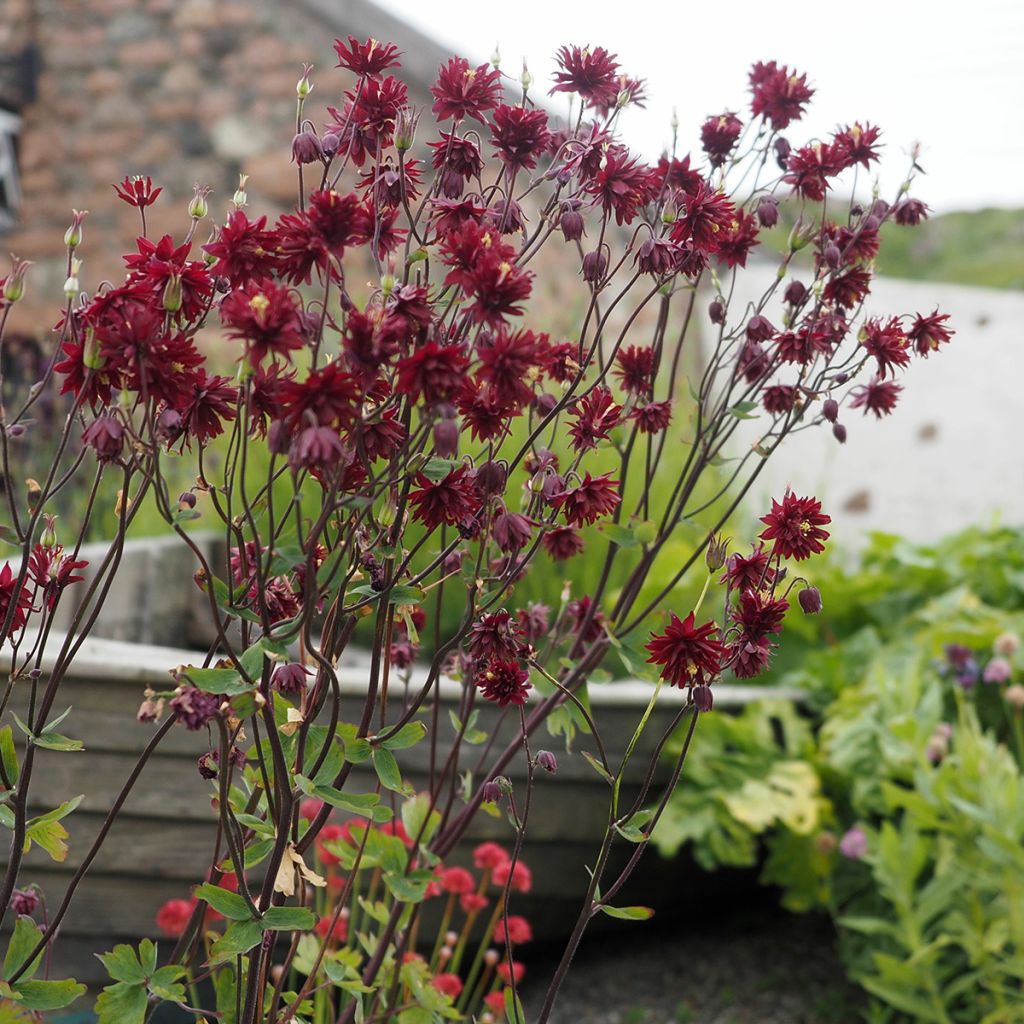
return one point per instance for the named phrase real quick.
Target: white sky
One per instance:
(950, 75)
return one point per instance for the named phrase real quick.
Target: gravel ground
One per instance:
(754, 966)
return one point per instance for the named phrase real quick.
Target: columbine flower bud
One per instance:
(172, 293)
(14, 283)
(595, 266)
(832, 256)
(73, 235)
(525, 79)
(198, 208)
(810, 600)
(306, 147)
(795, 293)
(547, 761)
(72, 286)
(768, 211)
(782, 151)
(303, 87)
(446, 438)
(329, 144)
(830, 409)
(406, 122)
(716, 553)
(571, 221)
(240, 198)
(149, 710)
(24, 901)
(716, 312)
(186, 500)
(490, 792)
(839, 433)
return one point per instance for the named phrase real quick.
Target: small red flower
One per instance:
(244, 249)
(522, 877)
(779, 95)
(622, 184)
(487, 856)
(519, 135)
(779, 398)
(462, 91)
(562, 542)
(434, 371)
(718, 136)
(266, 316)
(795, 525)
(652, 418)
(11, 595)
(749, 572)
(336, 934)
(173, 916)
(447, 984)
(734, 244)
(910, 212)
(877, 396)
(758, 613)
(592, 74)
(594, 415)
(452, 500)
(457, 880)
(887, 343)
(369, 58)
(507, 972)
(634, 367)
(503, 682)
(704, 216)
(927, 333)
(137, 191)
(589, 500)
(519, 930)
(688, 652)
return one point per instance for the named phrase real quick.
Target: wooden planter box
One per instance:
(162, 841)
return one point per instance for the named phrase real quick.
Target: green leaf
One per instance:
(48, 995)
(123, 965)
(24, 939)
(225, 902)
(437, 469)
(367, 805)
(8, 754)
(409, 735)
(122, 1003)
(632, 830)
(471, 735)
(628, 913)
(225, 681)
(618, 534)
(419, 820)
(7, 534)
(409, 888)
(147, 955)
(513, 1007)
(289, 919)
(164, 983)
(597, 766)
(386, 766)
(54, 741)
(238, 938)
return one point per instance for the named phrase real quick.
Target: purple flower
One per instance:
(854, 845)
(998, 670)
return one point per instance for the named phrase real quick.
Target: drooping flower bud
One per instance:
(810, 600)
(768, 211)
(830, 409)
(716, 312)
(105, 436)
(595, 266)
(24, 901)
(839, 433)
(73, 235)
(491, 792)
(186, 500)
(306, 147)
(547, 761)
(795, 293)
(330, 143)
(571, 221)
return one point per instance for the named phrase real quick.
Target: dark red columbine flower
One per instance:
(316, 447)
(388, 185)
(703, 216)
(910, 212)
(589, 500)
(496, 286)
(210, 401)
(459, 160)
(511, 530)
(11, 595)
(734, 245)
(779, 95)
(848, 288)
(578, 612)
(748, 572)
(105, 436)
(485, 409)
(290, 678)
(621, 184)
(652, 417)
(366, 124)
(802, 346)
(595, 414)
(156, 264)
(810, 167)
(877, 396)
(634, 367)
(758, 613)
(857, 144)
(330, 395)
(659, 256)
(452, 500)
(369, 58)
(927, 333)
(718, 135)
(886, 342)
(266, 317)
(509, 360)
(339, 220)
(462, 91)
(592, 74)
(534, 620)
(495, 635)
(688, 652)
(434, 371)
(503, 682)
(779, 398)
(299, 248)
(137, 191)
(749, 656)
(244, 249)
(194, 707)
(795, 525)
(519, 135)
(562, 542)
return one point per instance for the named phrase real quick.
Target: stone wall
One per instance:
(183, 90)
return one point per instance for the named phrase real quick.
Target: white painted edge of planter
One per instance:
(118, 661)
